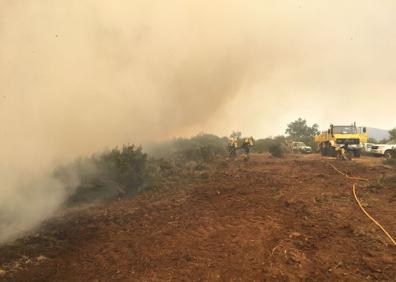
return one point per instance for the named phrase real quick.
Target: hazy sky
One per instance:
(76, 76)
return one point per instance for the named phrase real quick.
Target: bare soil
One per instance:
(268, 219)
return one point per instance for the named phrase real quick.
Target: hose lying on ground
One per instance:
(360, 205)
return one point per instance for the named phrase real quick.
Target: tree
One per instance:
(236, 134)
(392, 134)
(300, 130)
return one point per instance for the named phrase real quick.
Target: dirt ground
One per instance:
(268, 219)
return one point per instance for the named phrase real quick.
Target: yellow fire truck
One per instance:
(338, 136)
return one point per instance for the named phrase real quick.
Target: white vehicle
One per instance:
(367, 147)
(300, 147)
(386, 150)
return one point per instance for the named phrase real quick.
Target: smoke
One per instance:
(78, 76)
(26, 200)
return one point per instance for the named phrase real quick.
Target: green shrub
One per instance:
(200, 148)
(107, 175)
(275, 146)
(128, 170)
(277, 149)
(262, 145)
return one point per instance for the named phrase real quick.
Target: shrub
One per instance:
(107, 175)
(277, 149)
(128, 170)
(275, 146)
(262, 145)
(201, 148)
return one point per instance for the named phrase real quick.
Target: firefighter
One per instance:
(246, 145)
(232, 148)
(343, 153)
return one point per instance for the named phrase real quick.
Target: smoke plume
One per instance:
(79, 76)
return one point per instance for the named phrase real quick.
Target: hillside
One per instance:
(377, 134)
(268, 219)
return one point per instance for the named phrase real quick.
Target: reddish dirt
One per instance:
(272, 219)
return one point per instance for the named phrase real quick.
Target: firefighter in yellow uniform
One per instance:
(232, 148)
(246, 145)
(343, 153)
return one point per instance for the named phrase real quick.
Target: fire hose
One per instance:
(359, 203)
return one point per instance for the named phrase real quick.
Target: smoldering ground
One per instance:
(77, 76)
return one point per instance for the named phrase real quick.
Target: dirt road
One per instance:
(269, 219)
